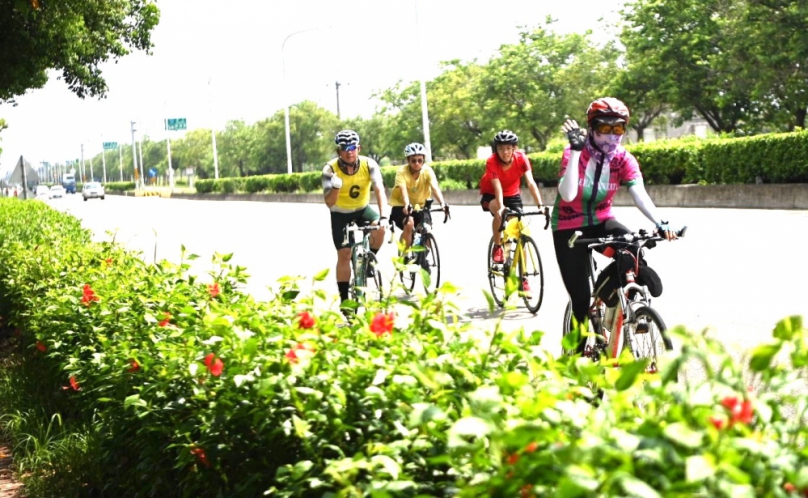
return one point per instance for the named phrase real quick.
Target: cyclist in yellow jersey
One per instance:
(347, 181)
(415, 183)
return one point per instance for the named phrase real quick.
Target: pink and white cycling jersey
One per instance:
(598, 181)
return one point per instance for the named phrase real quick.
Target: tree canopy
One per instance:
(71, 36)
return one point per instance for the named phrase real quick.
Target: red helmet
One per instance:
(607, 107)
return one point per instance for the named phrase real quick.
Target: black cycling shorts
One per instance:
(514, 203)
(397, 216)
(341, 220)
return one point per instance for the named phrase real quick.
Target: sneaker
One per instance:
(497, 255)
(526, 287)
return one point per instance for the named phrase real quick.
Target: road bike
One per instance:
(423, 255)
(366, 279)
(620, 314)
(522, 260)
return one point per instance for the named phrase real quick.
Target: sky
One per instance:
(217, 60)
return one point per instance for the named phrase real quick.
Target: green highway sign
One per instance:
(110, 145)
(175, 124)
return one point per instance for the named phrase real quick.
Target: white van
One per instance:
(42, 192)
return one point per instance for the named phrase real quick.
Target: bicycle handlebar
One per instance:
(353, 227)
(629, 238)
(507, 213)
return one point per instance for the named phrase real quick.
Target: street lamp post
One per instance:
(213, 133)
(424, 110)
(286, 98)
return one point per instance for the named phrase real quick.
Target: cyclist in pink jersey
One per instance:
(593, 168)
(500, 184)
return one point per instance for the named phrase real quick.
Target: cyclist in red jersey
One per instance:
(500, 185)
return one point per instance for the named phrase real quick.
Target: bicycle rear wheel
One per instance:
(430, 258)
(648, 337)
(496, 277)
(531, 276)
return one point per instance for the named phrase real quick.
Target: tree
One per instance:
(73, 36)
(235, 147)
(770, 52)
(531, 87)
(687, 43)
(638, 89)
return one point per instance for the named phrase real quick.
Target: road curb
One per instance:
(764, 196)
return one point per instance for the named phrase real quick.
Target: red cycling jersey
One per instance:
(508, 178)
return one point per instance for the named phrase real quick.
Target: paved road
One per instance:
(737, 271)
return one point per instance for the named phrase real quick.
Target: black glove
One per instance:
(577, 138)
(446, 211)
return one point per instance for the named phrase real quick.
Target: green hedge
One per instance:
(119, 186)
(123, 378)
(774, 158)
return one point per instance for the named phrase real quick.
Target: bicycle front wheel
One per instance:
(430, 262)
(647, 336)
(374, 289)
(531, 276)
(496, 277)
(407, 276)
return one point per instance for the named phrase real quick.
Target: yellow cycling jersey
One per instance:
(417, 190)
(355, 191)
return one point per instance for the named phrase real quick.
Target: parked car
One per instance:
(93, 190)
(57, 191)
(42, 192)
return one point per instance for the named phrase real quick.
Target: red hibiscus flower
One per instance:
(531, 447)
(292, 356)
(740, 411)
(108, 261)
(135, 366)
(305, 320)
(199, 453)
(717, 422)
(165, 321)
(526, 490)
(382, 323)
(74, 383)
(40, 346)
(88, 295)
(213, 289)
(513, 458)
(214, 364)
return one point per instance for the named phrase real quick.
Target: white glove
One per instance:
(336, 182)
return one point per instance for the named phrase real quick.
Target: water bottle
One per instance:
(360, 259)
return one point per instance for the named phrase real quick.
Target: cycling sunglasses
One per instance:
(347, 148)
(415, 160)
(610, 129)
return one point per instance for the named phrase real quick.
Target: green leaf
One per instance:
(787, 327)
(492, 305)
(699, 467)
(133, 400)
(683, 435)
(390, 466)
(321, 276)
(635, 487)
(466, 430)
(629, 372)
(762, 356)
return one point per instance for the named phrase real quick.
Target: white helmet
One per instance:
(414, 149)
(347, 137)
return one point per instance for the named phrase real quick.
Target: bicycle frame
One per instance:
(513, 229)
(625, 307)
(359, 250)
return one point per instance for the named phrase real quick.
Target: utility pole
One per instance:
(134, 152)
(336, 84)
(81, 173)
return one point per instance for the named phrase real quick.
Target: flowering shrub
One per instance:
(162, 388)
